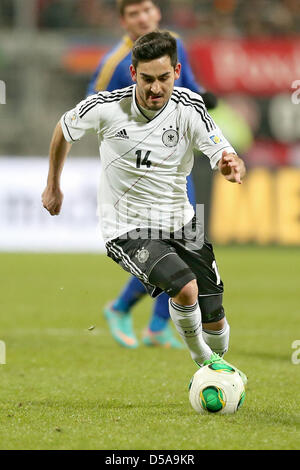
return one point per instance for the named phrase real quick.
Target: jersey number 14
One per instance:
(140, 160)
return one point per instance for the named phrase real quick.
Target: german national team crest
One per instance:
(142, 255)
(170, 138)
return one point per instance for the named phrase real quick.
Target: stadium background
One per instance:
(48, 51)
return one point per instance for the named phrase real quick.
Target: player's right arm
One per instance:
(72, 127)
(52, 196)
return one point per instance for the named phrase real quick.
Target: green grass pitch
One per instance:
(65, 387)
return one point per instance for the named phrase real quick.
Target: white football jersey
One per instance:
(144, 163)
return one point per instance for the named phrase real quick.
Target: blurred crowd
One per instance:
(209, 17)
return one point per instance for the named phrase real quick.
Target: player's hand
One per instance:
(231, 167)
(52, 200)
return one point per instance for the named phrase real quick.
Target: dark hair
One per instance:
(153, 46)
(122, 4)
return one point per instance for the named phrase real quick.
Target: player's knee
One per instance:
(188, 294)
(215, 326)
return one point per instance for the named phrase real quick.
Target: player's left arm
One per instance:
(232, 167)
(208, 139)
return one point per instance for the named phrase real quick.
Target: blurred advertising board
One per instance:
(264, 66)
(26, 226)
(260, 80)
(264, 209)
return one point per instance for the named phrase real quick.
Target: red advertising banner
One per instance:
(258, 66)
(272, 154)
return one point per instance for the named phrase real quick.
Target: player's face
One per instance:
(140, 18)
(155, 82)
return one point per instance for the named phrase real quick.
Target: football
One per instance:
(216, 388)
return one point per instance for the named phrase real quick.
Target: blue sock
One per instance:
(160, 316)
(131, 293)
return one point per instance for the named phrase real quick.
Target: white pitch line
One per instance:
(52, 332)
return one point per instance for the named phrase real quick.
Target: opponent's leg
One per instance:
(118, 315)
(159, 331)
(133, 291)
(160, 315)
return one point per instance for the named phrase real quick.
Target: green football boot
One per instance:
(120, 325)
(216, 358)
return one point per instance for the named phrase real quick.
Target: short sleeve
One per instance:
(83, 118)
(208, 138)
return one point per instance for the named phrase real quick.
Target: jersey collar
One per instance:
(139, 111)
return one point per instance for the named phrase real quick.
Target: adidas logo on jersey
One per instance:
(122, 134)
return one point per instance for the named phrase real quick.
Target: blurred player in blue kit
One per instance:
(139, 17)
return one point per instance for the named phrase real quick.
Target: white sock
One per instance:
(218, 341)
(187, 320)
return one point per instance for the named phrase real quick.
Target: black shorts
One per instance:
(168, 262)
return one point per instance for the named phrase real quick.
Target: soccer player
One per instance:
(147, 133)
(137, 18)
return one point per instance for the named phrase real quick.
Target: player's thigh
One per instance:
(210, 286)
(203, 263)
(171, 274)
(154, 262)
